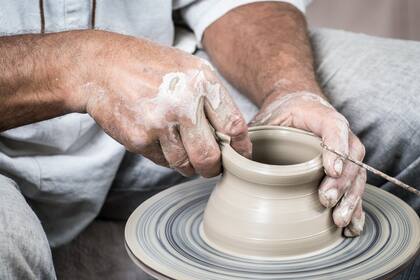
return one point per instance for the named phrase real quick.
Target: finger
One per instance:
(225, 117)
(357, 222)
(144, 143)
(174, 152)
(268, 118)
(154, 153)
(200, 145)
(262, 118)
(343, 213)
(332, 189)
(333, 128)
(335, 134)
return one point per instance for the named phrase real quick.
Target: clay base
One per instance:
(338, 239)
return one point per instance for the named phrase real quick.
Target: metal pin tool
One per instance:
(373, 170)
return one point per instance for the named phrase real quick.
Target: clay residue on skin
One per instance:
(207, 63)
(316, 98)
(355, 227)
(329, 198)
(344, 211)
(309, 111)
(288, 100)
(93, 90)
(211, 91)
(180, 94)
(291, 109)
(338, 165)
(342, 133)
(213, 94)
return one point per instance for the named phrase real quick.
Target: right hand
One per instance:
(344, 184)
(157, 101)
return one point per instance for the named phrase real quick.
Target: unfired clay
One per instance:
(268, 207)
(165, 235)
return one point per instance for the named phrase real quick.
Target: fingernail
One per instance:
(338, 166)
(331, 196)
(355, 227)
(342, 216)
(358, 223)
(348, 233)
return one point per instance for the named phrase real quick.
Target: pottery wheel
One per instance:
(163, 238)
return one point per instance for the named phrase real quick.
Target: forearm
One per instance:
(263, 49)
(31, 78)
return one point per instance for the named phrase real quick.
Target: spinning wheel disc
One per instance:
(163, 237)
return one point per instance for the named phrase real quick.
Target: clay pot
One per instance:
(268, 207)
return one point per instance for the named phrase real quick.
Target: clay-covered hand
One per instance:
(344, 183)
(161, 103)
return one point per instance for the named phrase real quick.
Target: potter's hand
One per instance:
(160, 102)
(345, 182)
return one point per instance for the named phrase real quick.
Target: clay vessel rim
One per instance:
(255, 167)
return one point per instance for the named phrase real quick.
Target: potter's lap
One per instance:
(15, 214)
(24, 249)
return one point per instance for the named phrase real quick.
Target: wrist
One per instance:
(72, 64)
(285, 87)
(56, 71)
(285, 73)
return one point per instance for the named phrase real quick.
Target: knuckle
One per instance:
(139, 142)
(237, 127)
(363, 176)
(336, 120)
(343, 129)
(345, 186)
(156, 156)
(341, 120)
(205, 159)
(160, 160)
(360, 149)
(180, 162)
(203, 63)
(139, 145)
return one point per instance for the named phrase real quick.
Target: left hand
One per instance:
(344, 184)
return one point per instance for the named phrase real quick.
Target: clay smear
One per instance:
(180, 93)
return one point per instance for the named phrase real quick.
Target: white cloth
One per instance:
(65, 166)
